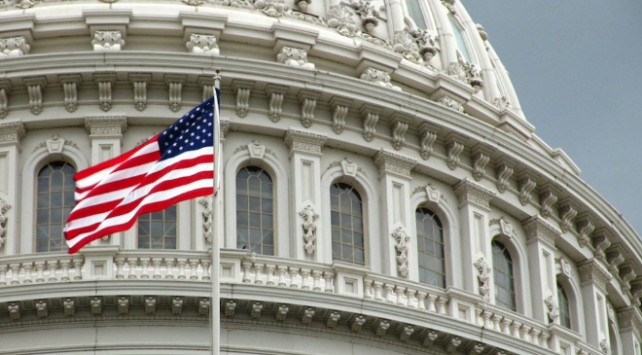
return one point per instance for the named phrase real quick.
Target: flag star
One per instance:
(171, 136)
(169, 151)
(174, 145)
(192, 143)
(180, 148)
(203, 141)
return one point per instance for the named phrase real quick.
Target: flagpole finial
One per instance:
(217, 78)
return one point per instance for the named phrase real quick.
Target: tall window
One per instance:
(54, 202)
(254, 211)
(504, 279)
(415, 12)
(347, 224)
(430, 246)
(459, 38)
(564, 307)
(157, 230)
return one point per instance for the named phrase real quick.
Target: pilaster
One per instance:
(474, 208)
(541, 260)
(105, 133)
(11, 133)
(630, 327)
(395, 209)
(593, 280)
(305, 165)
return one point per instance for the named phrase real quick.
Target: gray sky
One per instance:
(577, 69)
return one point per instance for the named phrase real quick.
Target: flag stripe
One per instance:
(173, 166)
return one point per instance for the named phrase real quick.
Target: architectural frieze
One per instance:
(592, 271)
(305, 142)
(11, 132)
(393, 163)
(469, 192)
(537, 229)
(110, 126)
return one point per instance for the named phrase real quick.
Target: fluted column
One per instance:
(474, 207)
(10, 135)
(541, 266)
(593, 280)
(105, 133)
(305, 194)
(395, 209)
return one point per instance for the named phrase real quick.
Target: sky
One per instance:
(576, 66)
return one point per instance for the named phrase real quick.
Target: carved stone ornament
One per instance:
(304, 142)
(592, 271)
(401, 248)
(34, 89)
(452, 346)
(526, 185)
(111, 126)
(393, 163)
(272, 8)
(476, 349)
(430, 338)
(294, 57)
(565, 268)
(547, 200)
(483, 276)
(308, 314)
(450, 103)
(207, 203)
(466, 72)
(340, 18)
(427, 42)
(70, 85)
(406, 332)
(454, 149)
(537, 229)
(427, 138)
(55, 144)
(567, 213)
(382, 327)
(600, 243)
(370, 120)
(4, 208)
(309, 225)
(551, 309)
(480, 159)
(432, 194)
(275, 94)
(333, 319)
(13, 47)
(202, 44)
(505, 227)
(308, 101)
(107, 41)
(502, 103)
(349, 168)
(405, 44)
(469, 192)
(378, 77)
(398, 129)
(339, 111)
(367, 13)
(584, 229)
(503, 172)
(604, 345)
(140, 82)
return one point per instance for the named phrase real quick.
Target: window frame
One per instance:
(176, 229)
(513, 278)
(274, 210)
(435, 218)
(354, 187)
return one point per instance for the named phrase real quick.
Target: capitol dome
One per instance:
(382, 191)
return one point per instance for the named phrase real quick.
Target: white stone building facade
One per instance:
(382, 191)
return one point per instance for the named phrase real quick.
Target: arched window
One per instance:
(416, 13)
(504, 279)
(347, 224)
(430, 247)
(564, 307)
(157, 230)
(254, 210)
(459, 38)
(54, 202)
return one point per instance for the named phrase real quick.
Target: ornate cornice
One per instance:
(630, 318)
(393, 163)
(11, 132)
(469, 192)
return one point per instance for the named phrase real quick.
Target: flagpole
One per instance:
(216, 256)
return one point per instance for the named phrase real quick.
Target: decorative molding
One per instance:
(4, 208)
(469, 192)
(309, 225)
(476, 349)
(481, 157)
(175, 84)
(547, 199)
(614, 257)
(96, 306)
(243, 89)
(505, 227)
(14, 311)
(308, 101)
(526, 183)
(432, 194)
(256, 150)
(381, 327)
(105, 82)
(551, 309)
(370, 115)
(177, 305)
(483, 277)
(340, 109)
(348, 167)
(401, 248)
(107, 41)
(503, 172)
(567, 212)
(35, 85)
(502, 103)
(4, 101)
(406, 332)
(308, 315)
(208, 205)
(565, 268)
(202, 44)
(398, 129)
(626, 275)
(276, 94)
(392, 163)
(304, 142)
(123, 305)
(272, 8)
(378, 77)
(294, 57)
(601, 241)
(282, 312)
(13, 47)
(405, 44)
(140, 81)
(150, 305)
(450, 103)
(537, 229)
(70, 84)
(69, 307)
(333, 319)
(630, 318)
(430, 338)
(584, 227)
(427, 137)
(357, 323)
(466, 72)
(41, 309)
(454, 148)
(452, 345)
(367, 12)
(113, 126)
(341, 19)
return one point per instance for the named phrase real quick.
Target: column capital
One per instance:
(11, 133)
(106, 126)
(630, 318)
(592, 271)
(469, 192)
(392, 163)
(538, 230)
(304, 142)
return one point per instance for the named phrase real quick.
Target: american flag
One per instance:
(173, 166)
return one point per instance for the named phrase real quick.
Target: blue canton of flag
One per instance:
(192, 132)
